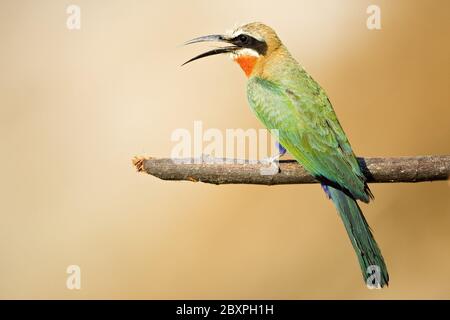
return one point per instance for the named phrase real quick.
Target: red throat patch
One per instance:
(247, 63)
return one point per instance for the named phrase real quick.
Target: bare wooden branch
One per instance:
(232, 171)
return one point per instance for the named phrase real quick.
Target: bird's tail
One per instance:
(369, 256)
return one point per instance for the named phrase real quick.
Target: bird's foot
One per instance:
(271, 165)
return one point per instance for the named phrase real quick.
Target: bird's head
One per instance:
(248, 45)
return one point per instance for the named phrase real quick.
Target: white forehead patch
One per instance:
(238, 31)
(233, 33)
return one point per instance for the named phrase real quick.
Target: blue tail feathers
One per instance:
(369, 255)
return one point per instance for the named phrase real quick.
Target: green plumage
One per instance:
(287, 99)
(360, 235)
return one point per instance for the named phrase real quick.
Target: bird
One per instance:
(284, 97)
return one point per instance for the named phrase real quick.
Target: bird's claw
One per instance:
(271, 166)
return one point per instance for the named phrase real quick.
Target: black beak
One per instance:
(217, 38)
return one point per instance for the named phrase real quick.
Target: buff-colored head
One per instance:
(265, 36)
(250, 45)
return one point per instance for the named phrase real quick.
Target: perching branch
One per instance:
(221, 171)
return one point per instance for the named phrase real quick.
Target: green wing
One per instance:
(308, 128)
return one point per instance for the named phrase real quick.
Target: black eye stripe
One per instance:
(246, 41)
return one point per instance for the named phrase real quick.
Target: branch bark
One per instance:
(231, 171)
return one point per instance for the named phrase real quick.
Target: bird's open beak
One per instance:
(215, 38)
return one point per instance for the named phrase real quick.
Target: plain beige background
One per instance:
(76, 106)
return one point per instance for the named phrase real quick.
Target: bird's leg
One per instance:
(273, 161)
(281, 152)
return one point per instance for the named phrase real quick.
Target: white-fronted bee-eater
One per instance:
(287, 99)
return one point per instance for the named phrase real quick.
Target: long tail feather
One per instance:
(369, 255)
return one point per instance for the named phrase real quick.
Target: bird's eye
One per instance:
(243, 39)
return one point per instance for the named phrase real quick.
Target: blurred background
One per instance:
(77, 105)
